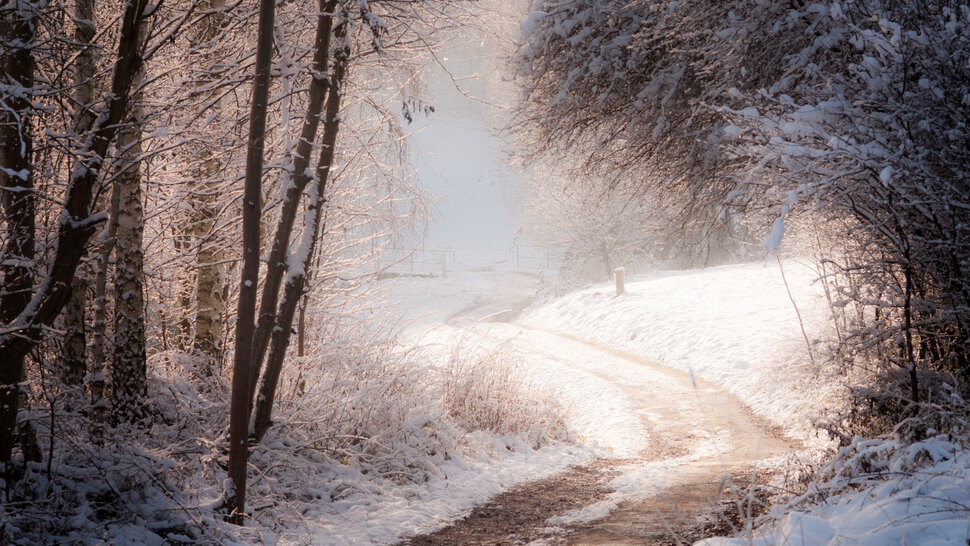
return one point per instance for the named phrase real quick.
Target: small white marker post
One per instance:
(618, 275)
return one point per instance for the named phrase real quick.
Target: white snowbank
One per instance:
(382, 516)
(440, 312)
(883, 493)
(734, 326)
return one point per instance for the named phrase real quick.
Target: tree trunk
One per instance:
(84, 71)
(96, 383)
(182, 332)
(296, 283)
(74, 361)
(276, 266)
(210, 274)
(17, 200)
(301, 327)
(249, 278)
(129, 382)
(210, 271)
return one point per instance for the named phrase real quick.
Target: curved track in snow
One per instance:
(680, 439)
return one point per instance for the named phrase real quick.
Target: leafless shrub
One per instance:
(488, 390)
(885, 403)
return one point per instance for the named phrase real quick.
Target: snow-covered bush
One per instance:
(365, 406)
(156, 484)
(484, 390)
(353, 420)
(883, 402)
(866, 131)
(876, 491)
(627, 91)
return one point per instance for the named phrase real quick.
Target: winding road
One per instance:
(699, 438)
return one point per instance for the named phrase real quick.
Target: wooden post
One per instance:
(618, 275)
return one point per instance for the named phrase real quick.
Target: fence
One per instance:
(419, 262)
(536, 257)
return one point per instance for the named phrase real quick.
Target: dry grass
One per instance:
(489, 390)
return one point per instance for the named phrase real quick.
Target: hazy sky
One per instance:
(460, 162)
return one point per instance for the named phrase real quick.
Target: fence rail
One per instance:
(418, 262)
(536, 257)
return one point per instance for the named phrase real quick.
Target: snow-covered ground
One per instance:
(380, 516)
(724, 324)
(734, 326)
(879, 492)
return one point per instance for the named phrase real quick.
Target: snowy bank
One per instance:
(734, 326)
(877, 492)
(439, 315)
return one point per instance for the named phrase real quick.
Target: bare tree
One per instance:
(320, 86)
(623, 91)
(210, 274)
(592, 223)
(246, 309)
(129, 374)
(298, 270)
(848, 117)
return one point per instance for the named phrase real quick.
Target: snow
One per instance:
(745, 341)
(487, 464)
(382, 517)
(734, 326)
(886, 174)
(773, 242)
(915, 494)
(21, 174)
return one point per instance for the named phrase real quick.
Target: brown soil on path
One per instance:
(518, 516)
(679, 515)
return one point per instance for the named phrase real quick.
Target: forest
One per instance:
(198, 199)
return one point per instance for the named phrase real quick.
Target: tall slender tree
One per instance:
(299, 267)
(320, 86)
(246, 309)
(204, 198)
(128, 366)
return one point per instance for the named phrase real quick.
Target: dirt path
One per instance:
(701, 439)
